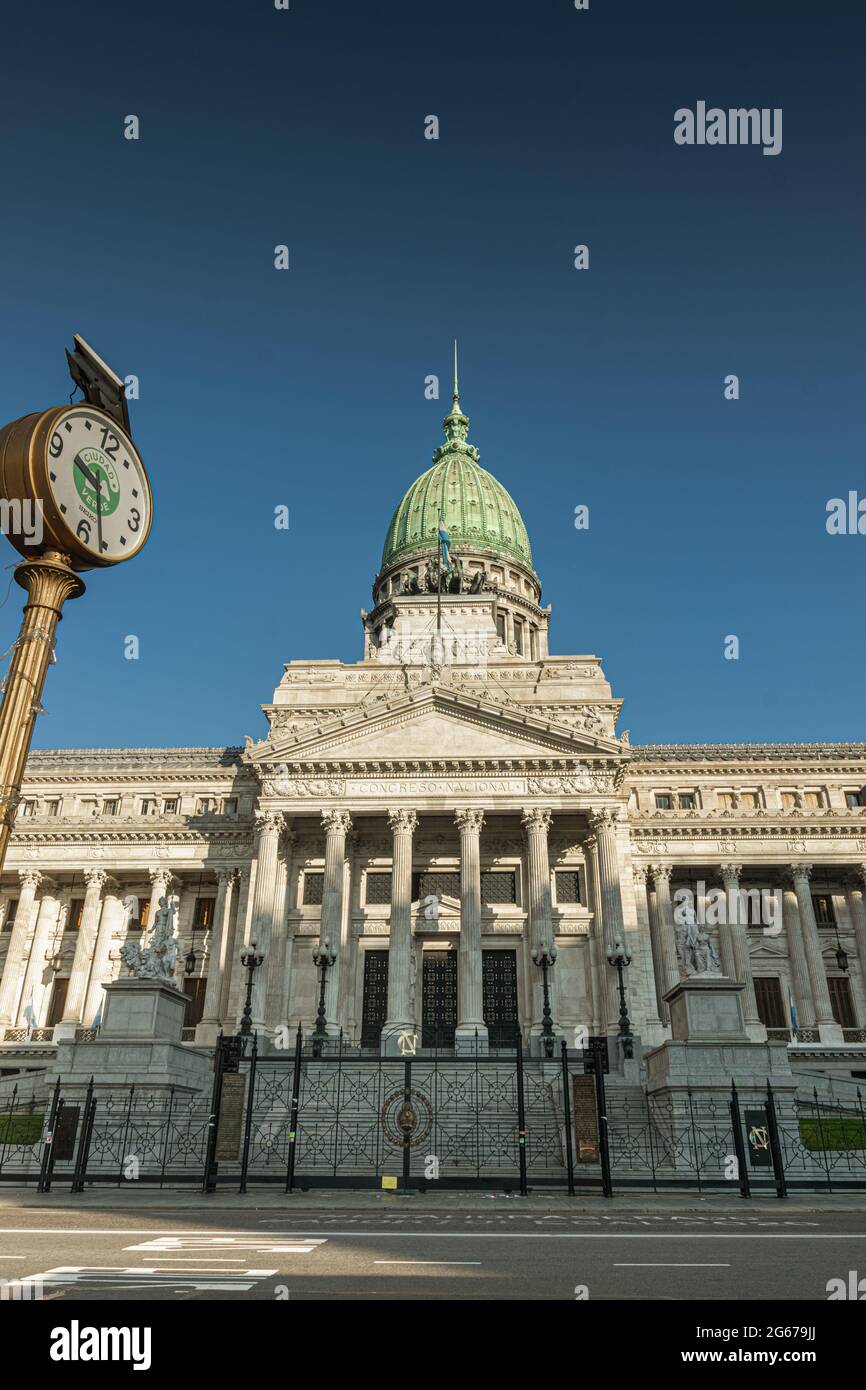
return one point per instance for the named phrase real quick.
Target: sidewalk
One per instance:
(325, 1201)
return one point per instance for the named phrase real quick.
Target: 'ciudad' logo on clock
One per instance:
(100, 466)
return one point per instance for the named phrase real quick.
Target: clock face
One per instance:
(98, 484)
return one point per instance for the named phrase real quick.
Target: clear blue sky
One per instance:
(305, 388)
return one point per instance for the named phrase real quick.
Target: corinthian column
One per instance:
(14, 967)
(84, 947)
(801, 985)
(33, 989)
(828, 1029)
(666, 943)
(403, 826)
(218, 957)
(857, 907)
(536, 824)
(269, 825)
(337, 826)
(470, 1001)
(111, 917)
(603, 826)
(160, 882)
(736, 954)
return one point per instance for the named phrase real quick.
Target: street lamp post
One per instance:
(620, 960)
(251, 959)
(324, 959)
(544, 957)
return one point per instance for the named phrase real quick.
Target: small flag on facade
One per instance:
(792, 1009)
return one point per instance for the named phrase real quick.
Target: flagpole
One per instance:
(438, 583)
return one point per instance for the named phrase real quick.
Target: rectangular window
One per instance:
(768, 996)
(111, 807)
(52, 808)
(687, 801)
(823, 905)
(313, 887)
(143, 914)
(852, 799)
(202, 917)
(205, 806)
(788, 800)
(840, 1000)
(664, 802)
(518, 636)
(500, 627)
(748, 801)
(567, 886)
(378, 888)
(813, 800)
(148, 806)
(169, 806)
(9, 919)
(498, 888)
(58, 1002)
(76, 910)
(443, 884)
(230, 806)
(27, 808)
(725, 800)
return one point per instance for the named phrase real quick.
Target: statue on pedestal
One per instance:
(695, 951)
(158, 960)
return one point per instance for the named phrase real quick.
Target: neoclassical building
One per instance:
(437, 812)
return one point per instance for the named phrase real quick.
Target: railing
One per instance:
(25, 1035)
(854, 1035)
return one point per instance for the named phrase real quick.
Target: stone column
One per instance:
(536, 824)
(231, 1006)
(603, 825)
(269, 825)
(801, 985)
(596, 941)
(857, 908)
(648, 907)
(46, 923)
(829, 1030)
(470, 1000)
(277, 992)
(337, 826)
(218, 959)
(160, 881)
(14, 967)
(403, 826)
(112, 915)
(738, 931)
(666, 940)
(76, 995)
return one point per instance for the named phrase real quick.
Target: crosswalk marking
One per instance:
(133, 1277)
(259, 1245)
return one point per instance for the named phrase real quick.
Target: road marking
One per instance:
(667, 1264)
(258, 1245)
(427, 1262)
(11, 1257)
(587, 1235)
(132, 1277)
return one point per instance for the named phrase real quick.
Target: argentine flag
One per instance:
(444, 543)
(792, 1008)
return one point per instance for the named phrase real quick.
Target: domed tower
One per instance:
(476, 597)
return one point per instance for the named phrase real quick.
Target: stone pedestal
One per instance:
(707, 1008)
(138, 1043)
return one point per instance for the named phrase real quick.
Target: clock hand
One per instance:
(99, 511)
(82, 468)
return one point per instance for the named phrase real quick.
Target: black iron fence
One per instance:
(347, 1119)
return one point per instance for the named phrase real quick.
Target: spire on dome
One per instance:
(455, 424)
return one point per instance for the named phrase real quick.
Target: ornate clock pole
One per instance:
(77, 469)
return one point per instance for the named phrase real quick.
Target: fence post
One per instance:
(521, 1118)
(123, 1153)
(601, 1107)
(83, 1141)
(566, 1109)
(739, 1143)
(407, 1132)
(248, 1120)
(207, 1185)
(293, 1118)
(44, 1183)
(823, 1141)
(775, 1144)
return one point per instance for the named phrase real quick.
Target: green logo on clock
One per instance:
(97, 465)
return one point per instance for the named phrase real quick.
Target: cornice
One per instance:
(747, 754)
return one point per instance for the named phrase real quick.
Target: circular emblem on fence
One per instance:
(402, 1116)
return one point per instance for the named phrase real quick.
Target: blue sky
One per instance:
(305, 388)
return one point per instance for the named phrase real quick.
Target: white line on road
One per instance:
(667, 1264)
(427, 1262)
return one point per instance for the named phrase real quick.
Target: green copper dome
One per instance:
(477, 510)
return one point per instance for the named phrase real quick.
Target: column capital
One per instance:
(640, 872)
(860, 872)
(339, 822)
(273, 822)
(403, 820)
(661, 872)
(536, 818)
(160, 876)
(29, 878)
(95, 878)
(470, 818)
(801, 873)
(730, 871)
(243, 874)
(224, 877)
(605, 819)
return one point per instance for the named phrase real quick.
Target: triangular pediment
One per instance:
(437, 723)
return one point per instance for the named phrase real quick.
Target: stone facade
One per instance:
(457, 794)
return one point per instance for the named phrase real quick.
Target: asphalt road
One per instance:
(200, 1255)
